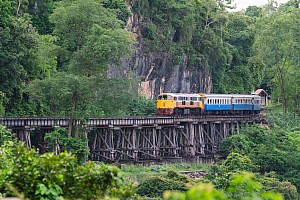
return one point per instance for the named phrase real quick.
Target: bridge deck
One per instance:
(14, 122)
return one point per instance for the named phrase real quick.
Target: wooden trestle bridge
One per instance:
(136, 139)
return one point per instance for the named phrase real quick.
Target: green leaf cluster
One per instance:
(269, 150)
(58, 141)
(27, 174)
(242, 186)
(155, 186)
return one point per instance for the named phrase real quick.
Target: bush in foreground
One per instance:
(25, 173)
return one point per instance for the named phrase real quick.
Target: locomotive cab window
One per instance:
(169, 97)
(162, 97)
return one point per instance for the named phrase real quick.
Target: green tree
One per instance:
(58, 141)
(63, 94)
(120, 7)
(275, 46)
(103, 46)
(254, 11)
(90, 34)
(5, 135)
(17, 60)
(7, 10)
(238, 75)
(40, 11)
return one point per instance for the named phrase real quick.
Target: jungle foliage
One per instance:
(54, 57)
(29, 175)
(57, 42)
(273, 152)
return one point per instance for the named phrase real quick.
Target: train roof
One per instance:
(181, 94)
(244, 96)
(212, 95)
(217, 95)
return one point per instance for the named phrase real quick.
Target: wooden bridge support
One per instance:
(23, 134)
(137, 143)
(136, 139)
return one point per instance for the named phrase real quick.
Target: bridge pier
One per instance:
(24, 135)
(137, 144)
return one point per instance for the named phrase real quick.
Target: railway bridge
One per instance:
(138, 139)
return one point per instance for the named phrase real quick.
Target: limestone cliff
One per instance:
(158, 74)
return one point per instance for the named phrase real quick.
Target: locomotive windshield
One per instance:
(164, 97)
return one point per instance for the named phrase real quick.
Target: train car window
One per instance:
(183, 103)
(181, 98)
(191, 103)
(169, 97)
(175, 98)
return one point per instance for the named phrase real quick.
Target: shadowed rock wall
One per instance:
(157, 73)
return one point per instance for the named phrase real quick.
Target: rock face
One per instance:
(158, 74)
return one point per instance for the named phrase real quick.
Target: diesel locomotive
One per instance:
(207, 104)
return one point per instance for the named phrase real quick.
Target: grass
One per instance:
(139, 172)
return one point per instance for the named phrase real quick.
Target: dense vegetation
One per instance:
(256, 163)
(54, 57)
(25, 173)
(55, 53)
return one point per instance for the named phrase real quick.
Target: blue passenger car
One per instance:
(217, 102)
(257, 103)
(245, 103)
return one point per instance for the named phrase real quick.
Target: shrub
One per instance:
(76, 146)
(242, 186)
(155, 186)
(25, 172)
(271, 183)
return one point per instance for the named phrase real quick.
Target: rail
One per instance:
(12, 122)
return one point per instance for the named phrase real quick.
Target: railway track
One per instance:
(12, 122)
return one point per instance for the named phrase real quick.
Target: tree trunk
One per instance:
(73, 116)
(281, 81)
(18, 6)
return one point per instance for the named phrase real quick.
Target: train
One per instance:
(207, 104)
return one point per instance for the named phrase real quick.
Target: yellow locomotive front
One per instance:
(179, 104)
(165, 104)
